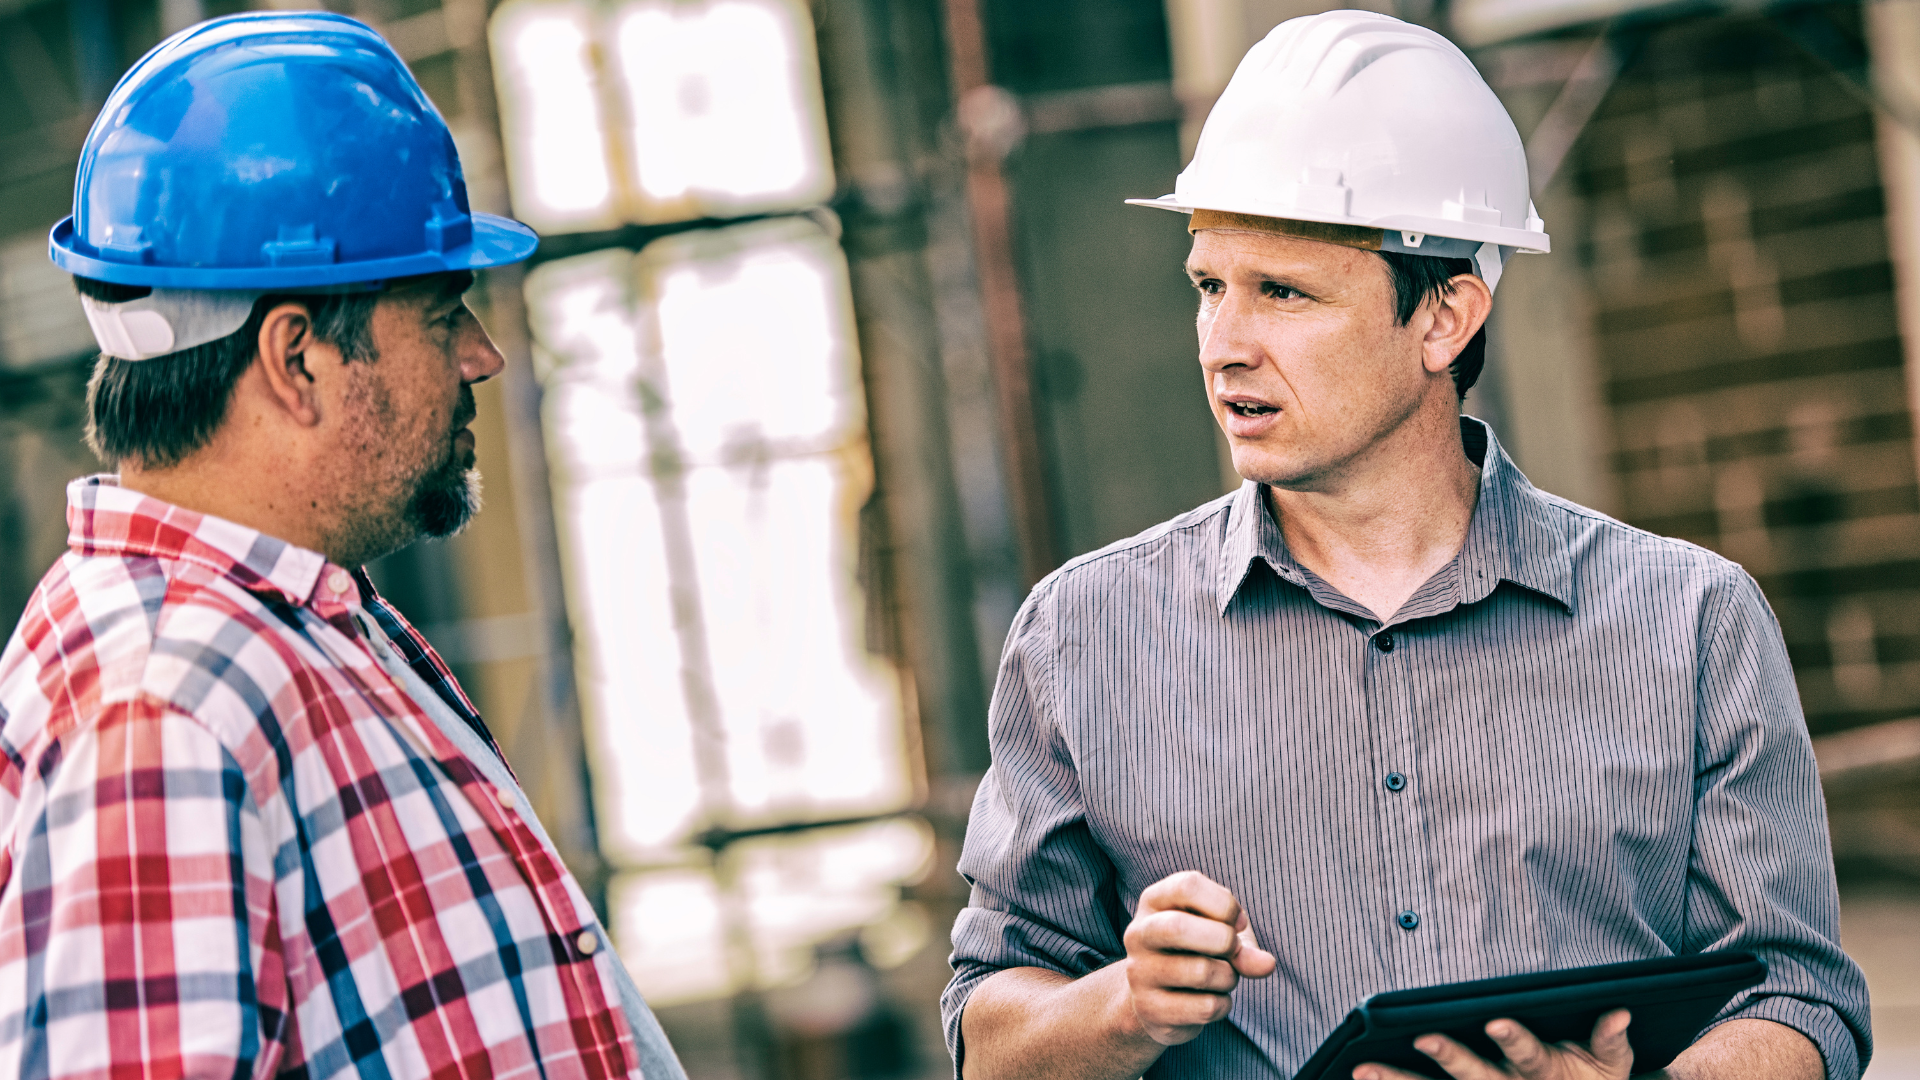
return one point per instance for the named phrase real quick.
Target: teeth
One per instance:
(1248, 408)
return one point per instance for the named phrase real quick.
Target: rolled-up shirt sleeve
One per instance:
(1761, 871)
(1044, 893)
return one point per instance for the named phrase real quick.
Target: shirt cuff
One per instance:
(1820, 1023)
(954, 1002)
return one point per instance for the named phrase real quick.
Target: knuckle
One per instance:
(1183, 882)
(1197, 1009)
(1226, 977)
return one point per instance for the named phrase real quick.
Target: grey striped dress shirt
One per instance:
(1579, 743)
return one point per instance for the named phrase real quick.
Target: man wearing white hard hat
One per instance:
(1387, 716)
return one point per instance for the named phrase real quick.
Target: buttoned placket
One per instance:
(1408, 920)
(514, 829)
(1406, 901)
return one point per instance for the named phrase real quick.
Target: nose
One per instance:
(1227, 337)
(480, 358)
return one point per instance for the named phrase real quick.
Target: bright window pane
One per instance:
(790, 892)
(723, 103)
(551, 117)
(812, 726)
(758, 468)
(757, 337)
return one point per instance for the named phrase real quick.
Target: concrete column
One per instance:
(1893, 43)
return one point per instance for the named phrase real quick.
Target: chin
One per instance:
(444, 504)
(1266, 465)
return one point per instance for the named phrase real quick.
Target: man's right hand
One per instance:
(1188, 946)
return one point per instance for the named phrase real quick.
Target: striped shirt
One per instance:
(234, 845)
(1578, 743)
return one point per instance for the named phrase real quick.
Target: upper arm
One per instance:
(135, 917)
(1761, 869)
(1043, 890)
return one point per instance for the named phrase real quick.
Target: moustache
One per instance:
(464, 413)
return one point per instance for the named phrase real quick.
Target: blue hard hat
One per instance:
(274, 150)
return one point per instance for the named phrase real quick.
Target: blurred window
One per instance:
(659, 110)
(707, 440)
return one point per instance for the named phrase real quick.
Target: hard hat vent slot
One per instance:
(448, 228)
(1321, 191)
(1412, 239)
(298, 246)
(1472, 209)
(125, 245)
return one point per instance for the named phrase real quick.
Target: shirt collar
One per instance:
(1514, 536)
(104, 518)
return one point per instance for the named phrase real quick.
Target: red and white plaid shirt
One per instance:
(235, 847)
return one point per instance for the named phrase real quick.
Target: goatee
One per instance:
(448, 497)
(445, 501)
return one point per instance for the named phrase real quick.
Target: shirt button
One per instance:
(339, 581)
(1383, 641)
(1396, 781)
(1408, 920)
(504, 796)
(588, 941)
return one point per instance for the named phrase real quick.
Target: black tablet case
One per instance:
(1672, 999)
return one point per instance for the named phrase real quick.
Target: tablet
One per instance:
(1672, 999)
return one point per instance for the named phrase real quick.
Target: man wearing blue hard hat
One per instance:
(253, 826)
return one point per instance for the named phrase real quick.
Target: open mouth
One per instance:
(1251, 408)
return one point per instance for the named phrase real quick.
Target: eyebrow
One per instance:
(453, 288)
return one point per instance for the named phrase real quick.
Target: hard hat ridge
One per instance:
(1359, 119)
(1320, 56)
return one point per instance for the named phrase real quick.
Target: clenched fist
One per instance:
(1188, 946)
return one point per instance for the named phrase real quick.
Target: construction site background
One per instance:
(996, 373)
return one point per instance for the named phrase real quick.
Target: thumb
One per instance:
(1249, 959)
(1610, 1047)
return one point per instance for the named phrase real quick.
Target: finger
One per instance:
(1180, 1008)
(1180, 931)
(1373, 1070)
(1460, 1062)
(1529, 1056)
(1180, 971)
(1192, 891)
(1610, 1046)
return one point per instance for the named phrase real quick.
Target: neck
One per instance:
(1391, 520)
(221, 481)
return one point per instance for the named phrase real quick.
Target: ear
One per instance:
(282, 357)
(1457, 316)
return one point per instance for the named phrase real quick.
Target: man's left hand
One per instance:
(1608, 1056)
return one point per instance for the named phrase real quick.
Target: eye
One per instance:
(1280, 292)
(1208, 286)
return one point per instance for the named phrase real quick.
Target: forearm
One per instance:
(1749, 1050)
(1031, 1022)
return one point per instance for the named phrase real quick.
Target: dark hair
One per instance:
(158, 412)
(1420, 278)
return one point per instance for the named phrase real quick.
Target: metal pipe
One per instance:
(992, 123)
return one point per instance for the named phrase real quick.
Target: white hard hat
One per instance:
(1364, 122)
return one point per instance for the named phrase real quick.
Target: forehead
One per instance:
(428, 290)
(1221, 251)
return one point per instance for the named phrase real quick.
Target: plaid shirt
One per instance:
(235, 847)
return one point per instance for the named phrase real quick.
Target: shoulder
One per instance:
(1609, 556)
(105, 630)
(1175, 547)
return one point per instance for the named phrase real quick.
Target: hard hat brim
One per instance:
(497, 241)
(1521, 240)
